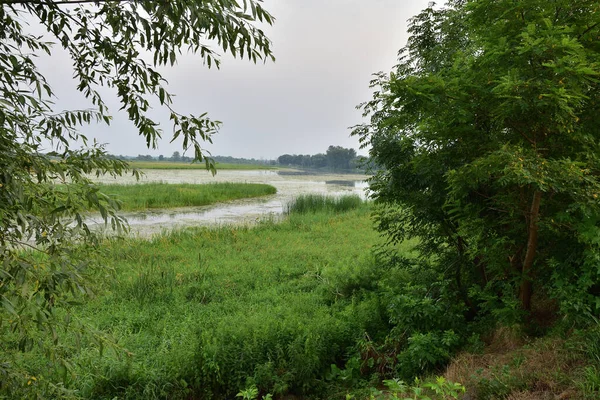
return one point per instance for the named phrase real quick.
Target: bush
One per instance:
(280, 349)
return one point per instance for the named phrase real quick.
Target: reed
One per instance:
(313, 203)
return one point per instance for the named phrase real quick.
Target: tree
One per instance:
(285, 159)
(487, 137)
(318, 160)
(45, 184)
(176, 156)
(339, 157)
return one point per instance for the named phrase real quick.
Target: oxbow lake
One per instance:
(289, 184)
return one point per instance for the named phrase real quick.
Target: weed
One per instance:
(543, 368)
(152, 284)
(437, 388)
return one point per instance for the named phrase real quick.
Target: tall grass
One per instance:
(313, 203)
(163, 195)
(182, 165)
(208, 312)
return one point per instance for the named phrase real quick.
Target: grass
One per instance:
(208, 313)
(312, 203)
(162, 195)
(182, 165)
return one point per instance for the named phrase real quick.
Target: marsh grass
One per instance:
(199, 166)
(206, 312)
(163, 195)
(314, 203)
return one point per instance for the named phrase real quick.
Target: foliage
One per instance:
(425, 328)
(487, 139)
(251, 393)
(336, 158)
(339, 157)
(109, 44)
(165, 195)
(438, 388)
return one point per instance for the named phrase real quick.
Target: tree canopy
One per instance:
(488, 135)
(336, 158)
(45, 160)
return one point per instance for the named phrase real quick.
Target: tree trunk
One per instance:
(532, 242)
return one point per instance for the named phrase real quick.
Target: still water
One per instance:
(288, 183)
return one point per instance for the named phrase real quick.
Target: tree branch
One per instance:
(16, 242)
(587, 30)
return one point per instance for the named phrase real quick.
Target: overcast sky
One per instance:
(326, 51)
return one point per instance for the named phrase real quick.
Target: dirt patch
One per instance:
(513, 368)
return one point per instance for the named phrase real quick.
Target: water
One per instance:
(289, 185)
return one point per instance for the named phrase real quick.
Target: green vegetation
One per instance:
(486, 137)
(209, 312)
(41, 145)
(336, 158)
(181, 165)
(314, 306)
(312, 203)
(165, 195)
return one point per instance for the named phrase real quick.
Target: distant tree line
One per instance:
(336, 158)
(178, 157)
(235, 160)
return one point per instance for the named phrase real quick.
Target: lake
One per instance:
(289, 184)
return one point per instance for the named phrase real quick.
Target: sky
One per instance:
(326, 52)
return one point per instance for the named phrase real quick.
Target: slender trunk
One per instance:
(532, 242)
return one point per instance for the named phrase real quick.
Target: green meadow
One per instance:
(207, 313)
(163, 195)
